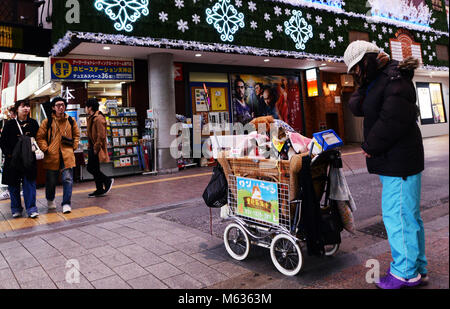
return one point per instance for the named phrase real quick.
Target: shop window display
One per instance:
(431, 104)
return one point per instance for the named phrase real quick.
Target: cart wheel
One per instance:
(331, 250)
(286, 255)
(236, 241)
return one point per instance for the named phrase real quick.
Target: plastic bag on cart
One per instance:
(216, 192)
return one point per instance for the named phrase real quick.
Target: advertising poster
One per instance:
(258, 200)
(91, 69)
(200, 101)
(267, 95)
(218, 99)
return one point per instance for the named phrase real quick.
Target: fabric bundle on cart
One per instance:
(340, 192)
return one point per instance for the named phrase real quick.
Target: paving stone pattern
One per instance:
(148, 252)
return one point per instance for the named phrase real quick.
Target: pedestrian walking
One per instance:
(98, 152)
(20, 162)
(393, 147)
(58, 137)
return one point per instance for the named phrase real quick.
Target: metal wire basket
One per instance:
(282, 213)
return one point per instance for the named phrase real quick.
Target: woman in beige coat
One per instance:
(98, 152)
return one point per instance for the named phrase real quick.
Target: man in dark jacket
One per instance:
(393, 147)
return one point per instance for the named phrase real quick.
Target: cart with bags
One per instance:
(269, 206)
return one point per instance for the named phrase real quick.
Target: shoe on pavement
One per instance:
(34, 215)
(51, 204)
(96, 193)
(66, 209)
(17, 215)
(424, 278)
(109, 186)
(391, 282)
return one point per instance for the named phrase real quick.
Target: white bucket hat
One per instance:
(356, 51)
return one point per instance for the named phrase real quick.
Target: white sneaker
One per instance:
(17, 215)
(66, 209)
(51, 204)
(34, 215)
(4, 195)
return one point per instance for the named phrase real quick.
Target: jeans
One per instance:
(29, 197)
(404, 225)
(93, 167)
(67, 182)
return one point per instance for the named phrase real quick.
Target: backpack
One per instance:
(216, 192)
(49, 128)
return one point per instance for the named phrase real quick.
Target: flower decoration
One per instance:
(123, 12)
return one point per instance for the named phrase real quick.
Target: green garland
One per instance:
(95, 21)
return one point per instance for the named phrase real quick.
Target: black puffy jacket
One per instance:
(391, 134)
(8, 140)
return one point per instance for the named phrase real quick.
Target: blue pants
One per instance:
(29, 197)
(404, 226)
(67, 182)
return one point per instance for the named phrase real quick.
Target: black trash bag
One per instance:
(216, 192)
(331, 224)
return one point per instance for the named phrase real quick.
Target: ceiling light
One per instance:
(323, 64)
(266, 60)
(198, 55)
(96, 82)
(106, 47)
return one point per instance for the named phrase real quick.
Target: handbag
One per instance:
(216, 192)
(34, 146)
(66, 141)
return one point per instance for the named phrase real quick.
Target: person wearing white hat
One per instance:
(393, 147)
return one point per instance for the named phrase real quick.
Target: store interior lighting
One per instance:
(332, 87)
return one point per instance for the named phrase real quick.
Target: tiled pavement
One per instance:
(133, 248)
(147, 252)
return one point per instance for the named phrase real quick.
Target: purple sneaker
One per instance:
(424, 278)
(389, 282)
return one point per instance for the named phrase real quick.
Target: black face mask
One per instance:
(368, 70)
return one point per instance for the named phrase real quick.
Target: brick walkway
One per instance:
(133, 246)
(145, 251)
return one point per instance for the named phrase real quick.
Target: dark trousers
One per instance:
(93, 167)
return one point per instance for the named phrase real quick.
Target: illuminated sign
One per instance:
(11, 37)
(312, 83)
(91, 69)
(404, 46)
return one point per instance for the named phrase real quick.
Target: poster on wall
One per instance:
(200, 101)
(431, 104)
(267, 95)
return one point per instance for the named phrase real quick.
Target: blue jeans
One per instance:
(67, 182)
(404, 226)
(29, 196)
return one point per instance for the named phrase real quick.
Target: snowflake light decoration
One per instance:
(123, 12)
(298, 29)
(226, 19)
